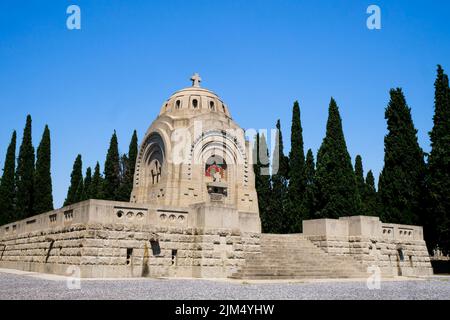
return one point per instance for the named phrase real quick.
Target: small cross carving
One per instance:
(196, 80)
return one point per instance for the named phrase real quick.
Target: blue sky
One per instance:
(259, 56)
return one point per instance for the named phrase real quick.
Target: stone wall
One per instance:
(110, 239)
(395, 249)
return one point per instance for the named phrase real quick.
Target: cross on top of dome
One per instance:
(196, 80)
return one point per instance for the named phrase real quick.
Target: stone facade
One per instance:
(395, 249)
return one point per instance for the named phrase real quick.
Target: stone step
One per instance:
(301, 271)
(296, 276)
(293, 260)
(303, 274)
(303, 265)
(269, 261)
(312, 274)
(293, 257)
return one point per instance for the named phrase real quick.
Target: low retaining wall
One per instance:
(395, 249)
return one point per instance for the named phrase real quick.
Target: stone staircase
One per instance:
(295, 257)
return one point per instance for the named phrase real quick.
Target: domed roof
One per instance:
(193, 100)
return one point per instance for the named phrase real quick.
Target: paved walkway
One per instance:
(25, 285)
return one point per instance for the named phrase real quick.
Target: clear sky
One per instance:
(259, 56)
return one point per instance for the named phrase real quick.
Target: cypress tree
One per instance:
(359, 175)
(43, 198)
(262, 182)
(310, 201)
(337, 195)
(76, 179)
(112, 170)
(128, 168)
(401, 180)
(8, 185)
(132, 157)
(369, 197)
(97, 184)
(437, 220)
(297, 181)
(87, 194)
(360, 183)
(123, 193)
(280, 169)
(80, 193)
(25, 175)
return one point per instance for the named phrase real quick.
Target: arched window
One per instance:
(178, 104)
(195, 103)
(212, 106)
(154, 158)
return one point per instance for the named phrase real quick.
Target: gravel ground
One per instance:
(27, 286)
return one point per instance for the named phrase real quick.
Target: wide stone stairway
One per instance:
(295, 257)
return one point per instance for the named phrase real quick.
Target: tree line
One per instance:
(116, 182)
(413, 187)
(26, 189)
(26, 184)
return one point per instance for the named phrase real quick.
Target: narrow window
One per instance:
(156, 249)
(195, 103)
(400, 255)
(178, 104)
(174, 257)
(129, 255)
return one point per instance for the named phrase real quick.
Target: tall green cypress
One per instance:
(25, 175)
(43, 197)
(128, 168)
(132, 157)
(400, 186)
(80, 193)
(8, 185)
(359, 175)
(295, 212)
(337, 195)
(437, 219)
(97, 184)
(369, 197)
(112, 170)
(76, 180)
(280, 169)
(360, 184)
(124, 191)
(310, 201)
(87, 190)
(262, 182)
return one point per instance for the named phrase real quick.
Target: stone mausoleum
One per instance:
(193, 212)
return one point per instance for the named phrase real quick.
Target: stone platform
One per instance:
(104, 239)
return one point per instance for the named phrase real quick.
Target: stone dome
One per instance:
(194, 100)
